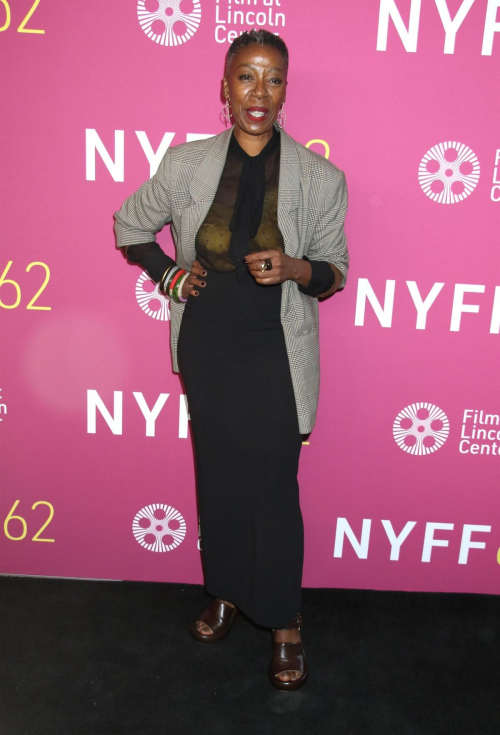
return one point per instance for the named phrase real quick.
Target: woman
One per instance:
(257, 220)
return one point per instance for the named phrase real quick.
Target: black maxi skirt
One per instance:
(234, 365)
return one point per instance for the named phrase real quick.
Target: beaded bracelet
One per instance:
(168, 274)
(169, 278)
(174, 281)
(162, 279)
(177, 287)
(180, 297)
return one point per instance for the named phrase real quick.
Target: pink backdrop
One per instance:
(390, 501)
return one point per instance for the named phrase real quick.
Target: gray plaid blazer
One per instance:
(312, 203)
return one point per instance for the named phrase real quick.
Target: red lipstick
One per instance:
(256, 114)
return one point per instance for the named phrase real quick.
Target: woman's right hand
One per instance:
(194, 280)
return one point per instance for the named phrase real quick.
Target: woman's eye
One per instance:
(245, 77)
(275, 81)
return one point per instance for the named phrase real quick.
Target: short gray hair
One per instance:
(257, 38)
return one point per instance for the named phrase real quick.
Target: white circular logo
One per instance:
(149, 298)
(421, 428)
(169, 25)
(159, 527)
(449, 172)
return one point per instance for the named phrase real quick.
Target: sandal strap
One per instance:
(288, 657)
(218, 615)
(295, 623)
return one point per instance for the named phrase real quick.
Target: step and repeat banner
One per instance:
(400, 477)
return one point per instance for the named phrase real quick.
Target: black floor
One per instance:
(106, 658)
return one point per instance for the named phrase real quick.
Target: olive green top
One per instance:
(213, 237)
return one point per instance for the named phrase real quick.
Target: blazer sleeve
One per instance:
(147, 210)
(328, 241)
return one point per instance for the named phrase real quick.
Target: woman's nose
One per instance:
(259, 89)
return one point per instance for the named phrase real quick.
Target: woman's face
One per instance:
(256, 86)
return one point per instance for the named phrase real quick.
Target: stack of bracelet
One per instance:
(172, 281)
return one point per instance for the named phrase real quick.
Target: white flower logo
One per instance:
(159, 527)
(159, 25)
(421, 428)
(149, 298)
(449, 172)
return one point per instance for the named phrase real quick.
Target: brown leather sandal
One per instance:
(288, 657)
(219, 617)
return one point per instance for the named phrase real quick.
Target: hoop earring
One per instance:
(281, 119)
(226, 112)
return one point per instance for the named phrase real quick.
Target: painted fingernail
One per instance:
(203, 273)
(196, 293)
(245, 260)
(203, 283)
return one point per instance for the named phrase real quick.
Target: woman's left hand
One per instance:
(284, 267)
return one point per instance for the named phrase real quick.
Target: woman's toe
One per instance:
(290, 675)
(203, 628)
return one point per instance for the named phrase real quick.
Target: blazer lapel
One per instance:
(207, 175)
(288, 193)
(202, 189)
